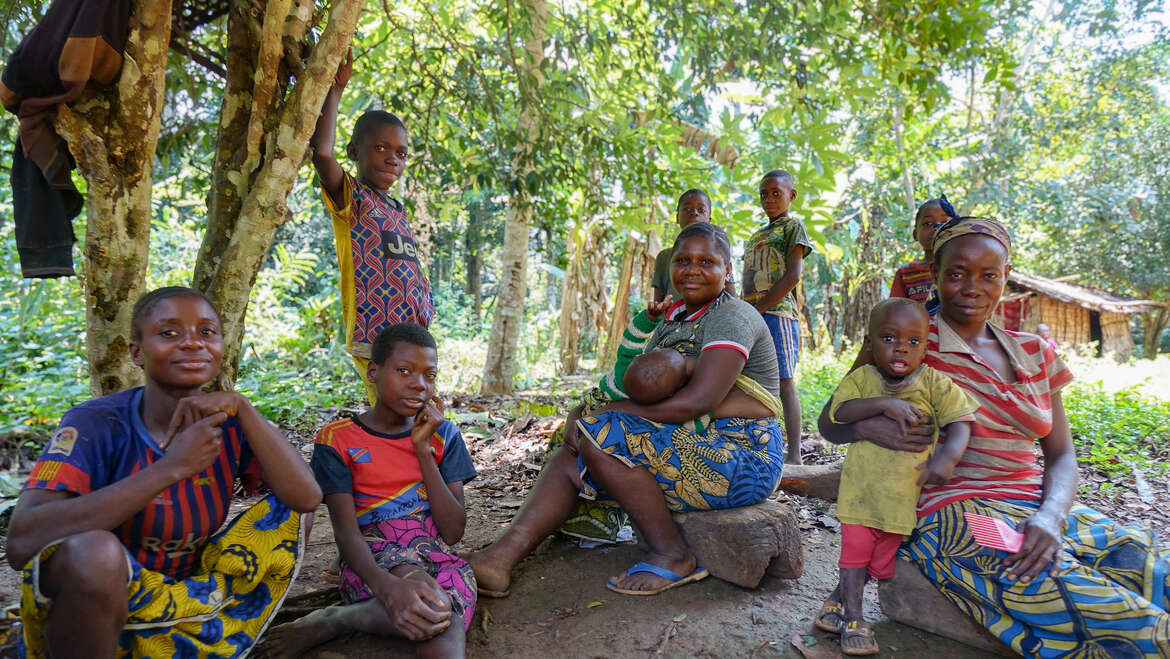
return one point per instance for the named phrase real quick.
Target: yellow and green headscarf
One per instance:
(965, 226)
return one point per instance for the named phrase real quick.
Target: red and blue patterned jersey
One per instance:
(913, 281)
(102, 441)
(381, 471)
(377, 256)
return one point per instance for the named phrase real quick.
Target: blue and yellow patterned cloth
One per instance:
(1109, 600)
(244, 574)
(732, 463)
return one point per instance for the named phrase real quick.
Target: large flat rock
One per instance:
(911, 599)
(740, 545)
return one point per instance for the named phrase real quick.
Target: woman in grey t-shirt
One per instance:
(651, 458)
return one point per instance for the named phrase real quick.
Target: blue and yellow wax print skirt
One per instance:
(731, 463)
(244, 573)
(1109, 600)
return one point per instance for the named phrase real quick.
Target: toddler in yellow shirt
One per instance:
(878, 498)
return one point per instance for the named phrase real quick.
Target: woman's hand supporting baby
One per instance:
(876, 426)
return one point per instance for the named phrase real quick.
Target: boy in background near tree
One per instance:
(382, 280)
(773, 259)
(693, 206)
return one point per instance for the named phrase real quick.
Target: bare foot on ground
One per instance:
(297, 637)
(489, 577)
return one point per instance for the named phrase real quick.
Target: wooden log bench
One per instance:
(911, 599)
(741, 545)
(820, 481)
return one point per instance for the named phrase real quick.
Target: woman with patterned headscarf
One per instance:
(1080, 584)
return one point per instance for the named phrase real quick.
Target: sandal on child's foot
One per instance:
(830, 618)
(857, 639)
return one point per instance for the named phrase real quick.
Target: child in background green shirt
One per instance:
(773, 259)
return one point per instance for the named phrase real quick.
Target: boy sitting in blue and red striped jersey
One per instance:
(118, 527)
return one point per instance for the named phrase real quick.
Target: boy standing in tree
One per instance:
(382, 280)
(773, 259)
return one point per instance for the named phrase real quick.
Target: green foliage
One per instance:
(984, 101)
(1117, 430)
(42, 352)
(817, 375)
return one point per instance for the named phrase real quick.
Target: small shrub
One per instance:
(817, 376)
(1113, 430)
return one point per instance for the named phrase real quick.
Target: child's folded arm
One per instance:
(879, 429)
(856, 409)
(958, 433)
(939, 468)
(793, 266)
(445, 498)
(284, 470)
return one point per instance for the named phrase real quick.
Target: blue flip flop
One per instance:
(674, 580)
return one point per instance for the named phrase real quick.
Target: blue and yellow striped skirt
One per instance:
(1109, 599)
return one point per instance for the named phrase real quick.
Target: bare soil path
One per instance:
(560, 606)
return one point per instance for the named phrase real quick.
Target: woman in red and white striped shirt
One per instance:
(1080, 582)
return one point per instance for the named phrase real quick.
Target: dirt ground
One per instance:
(560, 606)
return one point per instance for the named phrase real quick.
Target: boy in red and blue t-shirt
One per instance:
(393, 480)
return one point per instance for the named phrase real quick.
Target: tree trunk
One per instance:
(583, 296)
(112, 134)
(835, 298)
(996, 132)
(572, 303)
(263, 139)
(422, 222)
(644, 263)
(621, 303)
(808, 324)
(863, 287)
(907, 180)
(473, 259)
(500, 367)
(1153, 324)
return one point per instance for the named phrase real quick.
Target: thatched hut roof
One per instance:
(1089, 298)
